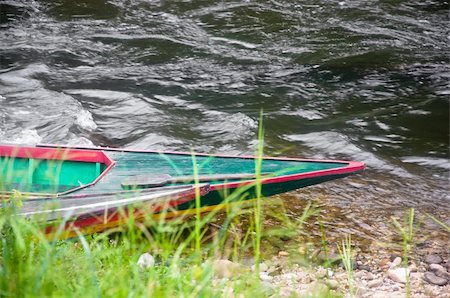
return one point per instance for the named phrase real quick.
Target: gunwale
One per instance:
(350, 167)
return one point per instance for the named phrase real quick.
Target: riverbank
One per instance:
(163, 259)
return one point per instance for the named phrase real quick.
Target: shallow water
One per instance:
(359, 80)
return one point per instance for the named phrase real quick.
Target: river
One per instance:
(358, 80)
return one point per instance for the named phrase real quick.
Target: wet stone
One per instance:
(433, 279)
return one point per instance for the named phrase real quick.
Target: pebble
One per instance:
(225, 268)
(359, 274)
(332, 284)
(265, 277)
(433, 259)
(447, 265)
(364, 267)
(412, 267)
(385, 294)
(360, 290)
(274, 270)
(433, 279)
(398, 274)
(145, 261)
(437, 267)
(321, 273)
(369, 276)
(283, 253)
(375, 283)
(262, 267)
(397, 261)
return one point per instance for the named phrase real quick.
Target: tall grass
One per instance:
(346, 253)
(258, 218)
(407, 232)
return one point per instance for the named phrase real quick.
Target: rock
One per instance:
(433, 279)
(447, 265)
(360, 290)
(332, 284)
(392, 257)
(370, 276)
(283, 253)
(412, 268)
(290, 276)
(265, 277)
(303, 250)
(145, 261)
(248, 262)
(398, 274)
(225, 268)
(272, 271)
(433, 259)
(321, 273)
(262, 267)
(395, 263)
(385, 294)
(437, 267)
(359, 274)
(375, 283)
(364, 267)
(329, 255)
(287, 292)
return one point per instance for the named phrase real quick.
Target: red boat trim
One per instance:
(114, 218)
(65, 154)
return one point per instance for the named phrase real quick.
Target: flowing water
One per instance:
(356, 79)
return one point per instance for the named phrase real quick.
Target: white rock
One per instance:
(398, 274)
(397, 261)
(265, 277)
(145, 261)
(332, 284)
(290, 276)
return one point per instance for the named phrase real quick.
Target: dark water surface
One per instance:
(360, 80)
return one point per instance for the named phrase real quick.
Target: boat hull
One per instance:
(230, 177)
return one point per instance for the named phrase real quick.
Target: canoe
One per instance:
(69, 215)
(58, 171)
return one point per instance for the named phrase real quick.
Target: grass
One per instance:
(347, 256)
(407, 232)
(186, 250)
